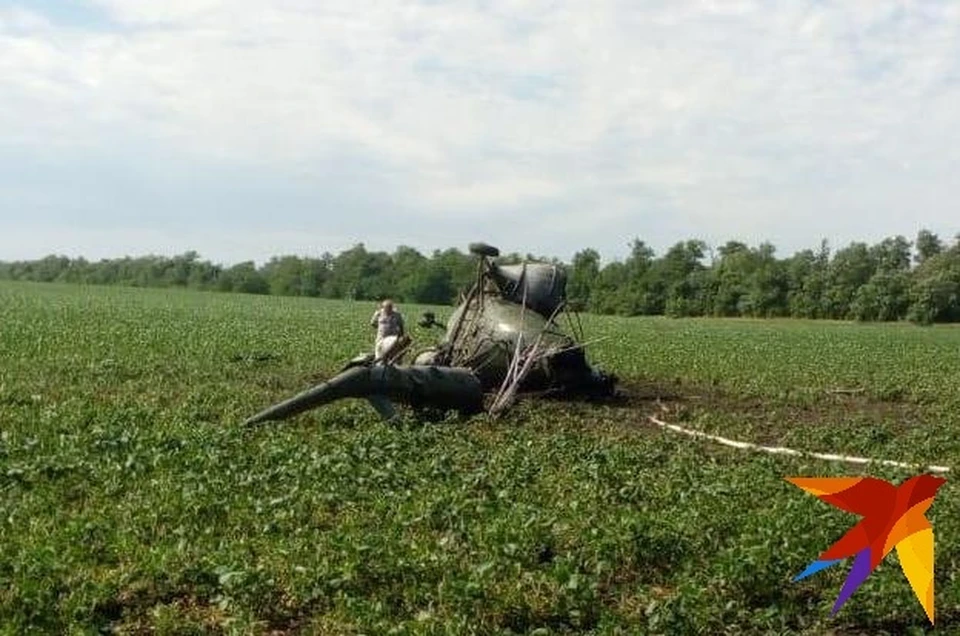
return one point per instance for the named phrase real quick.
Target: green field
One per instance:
(131, 499)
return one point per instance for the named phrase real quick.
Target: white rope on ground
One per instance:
(780, 450)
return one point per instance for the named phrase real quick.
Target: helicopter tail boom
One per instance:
(419, 386)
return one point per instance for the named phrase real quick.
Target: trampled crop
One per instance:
(132, 499)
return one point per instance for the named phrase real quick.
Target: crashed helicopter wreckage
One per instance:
(502, 339)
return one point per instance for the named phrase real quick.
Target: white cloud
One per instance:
(724, 118)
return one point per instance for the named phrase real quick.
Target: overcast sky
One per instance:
(250, 128)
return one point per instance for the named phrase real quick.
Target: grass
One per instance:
(131, 499)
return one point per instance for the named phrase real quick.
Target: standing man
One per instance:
(389, 325)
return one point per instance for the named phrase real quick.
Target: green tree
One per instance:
(461, 267)
(892, 255)
(643, 294)
(176, 271)
(314, 273)
(806, 275)
(768, 284)
(609, 291)
(935, 289)
(731, 274)
(679, 274)
(928, 245)
(885, 297)
(407, 273)
(584, 272)
(245, 278)
(284, 275)
(851, 268)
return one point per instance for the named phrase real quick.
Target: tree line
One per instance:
(895, 279)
